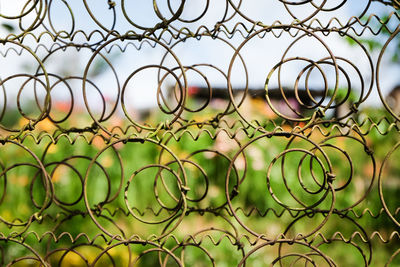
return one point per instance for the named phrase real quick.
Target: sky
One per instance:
(260, 54)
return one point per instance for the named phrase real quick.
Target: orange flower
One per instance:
(46, 125)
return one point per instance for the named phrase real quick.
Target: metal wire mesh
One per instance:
(215, 175)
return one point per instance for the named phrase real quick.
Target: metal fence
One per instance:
(300, 172)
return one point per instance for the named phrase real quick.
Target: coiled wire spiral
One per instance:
(86, 180)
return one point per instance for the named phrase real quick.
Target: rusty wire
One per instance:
(185, 213)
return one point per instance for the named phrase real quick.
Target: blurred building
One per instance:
(256, 99)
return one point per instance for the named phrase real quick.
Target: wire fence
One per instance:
(213, 174)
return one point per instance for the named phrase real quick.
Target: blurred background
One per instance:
(199, 133)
